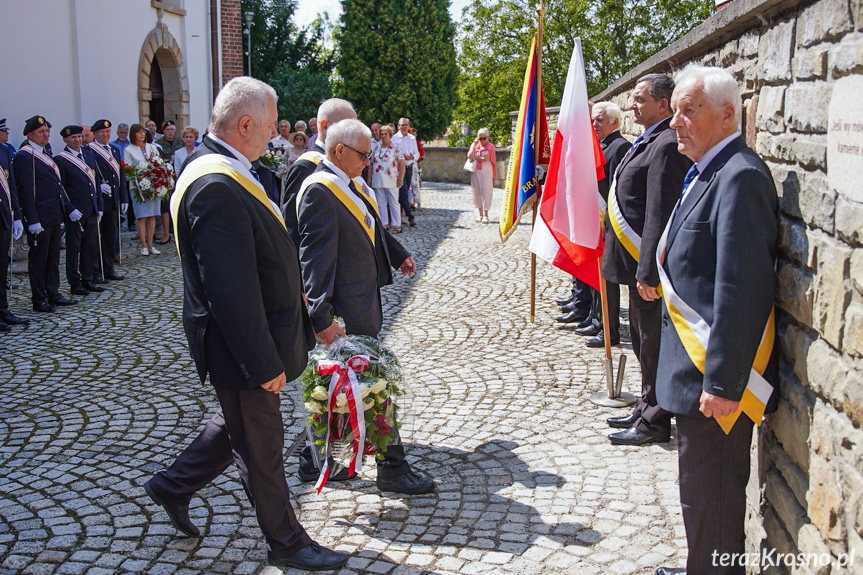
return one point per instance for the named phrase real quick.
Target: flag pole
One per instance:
(538, 139)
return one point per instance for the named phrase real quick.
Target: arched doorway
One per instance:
(163, 88)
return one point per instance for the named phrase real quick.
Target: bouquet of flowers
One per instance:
(274, 159)
(349, 390)
(150, 179)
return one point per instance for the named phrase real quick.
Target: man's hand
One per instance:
(276, 385)
(123, 208)
(328, 335)
(98, 216)
(35, 229)
(408, 267)
(106, 189)
(714, 406)
(17, 229)
(647, 293)
(75, 215)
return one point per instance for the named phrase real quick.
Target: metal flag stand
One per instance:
(614, 397)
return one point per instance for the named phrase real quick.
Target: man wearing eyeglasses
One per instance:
(346, 256)
(407, 143)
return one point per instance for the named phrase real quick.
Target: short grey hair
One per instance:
(242, 96)
(347, 132)
(612, 111)
(123, 126)
(720, 87)
(482, 131)
(335, 110)
(299, 123)
(661, 86)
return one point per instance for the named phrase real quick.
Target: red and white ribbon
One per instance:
(344, 377)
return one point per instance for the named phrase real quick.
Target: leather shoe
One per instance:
(599, 340)
(44, 306)
(9, 318)
(114, 277)
(179, 514)
(670, 571)
(565, 300)
(633, 436)
(623, 422)
(90, 286)
(566, 308)
(312, 557)
(589, 331)
(409, 483)
(307, 476)
(62, 301)
(572, 317)
(79, 290)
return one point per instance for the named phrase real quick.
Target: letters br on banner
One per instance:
(845, 138)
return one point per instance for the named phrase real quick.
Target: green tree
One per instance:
(397, 58)
(295, 62)
(615, 36)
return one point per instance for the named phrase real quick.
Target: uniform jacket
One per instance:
(243, 311)
(40, 191)
(721, 255)
(342, 271)
(648, 185)
(8, 212)
(119, 191)
(80, 190)
(614, 148)
(293, 181)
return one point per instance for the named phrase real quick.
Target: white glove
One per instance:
(99, 217)
(123, 208)
(75, 215)
(106, 189)
(35, 229)
(17, 229)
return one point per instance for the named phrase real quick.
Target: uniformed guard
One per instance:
(82, 184)
(115, 195)
(43, 203)
(10, 228)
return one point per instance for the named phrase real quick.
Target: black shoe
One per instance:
(586, 323)
(62, 301)
(312, 557)
(79, 290)
(588, 331)
(633, 436)
(44, 306)
(599, 341)
(114, 277)
(565, 300)
(90, 286)
(670, 571)
(307, 476)
(179, 514)
(4, 327)
(623, 422)
(572, 317)
(11, 319)
(409, 483)
(100, 281)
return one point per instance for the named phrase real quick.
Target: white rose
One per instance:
(314, 407)
(365, 392)
(378, 387)
(368, 404)
(342, 401)
(320, 393)
(145, 184)
(342, 409)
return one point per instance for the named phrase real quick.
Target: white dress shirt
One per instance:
(408, 146)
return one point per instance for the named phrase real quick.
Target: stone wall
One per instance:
(806, 490)
(444, 164)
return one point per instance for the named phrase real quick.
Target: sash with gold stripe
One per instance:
(81, 165)
(107, 156)
(694, 334)
(312, 156)
(218, 164)
(44, 158)
(4, 183)
(336, 186)
(627, 236)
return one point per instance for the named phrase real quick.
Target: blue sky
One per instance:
(307, 10)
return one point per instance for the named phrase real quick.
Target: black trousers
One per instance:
(247, 430)
(714, 470)
(613, 291)
(82, 250)
(5, 242)
(108, 229)
(583, 298)
(403, 193)
(43, 264)
(645, 325)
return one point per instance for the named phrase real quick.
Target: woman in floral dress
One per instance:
(388, 172)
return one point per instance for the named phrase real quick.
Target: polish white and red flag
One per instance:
(568, 232)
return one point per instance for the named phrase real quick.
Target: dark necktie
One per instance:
(637, 141)
(254, 173)
(80, 157)
(690, 177)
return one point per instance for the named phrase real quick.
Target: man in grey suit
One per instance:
(346, 256)
(719, 255)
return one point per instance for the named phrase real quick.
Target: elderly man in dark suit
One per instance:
(115, 195)
(245, 321)
(717, 259)
(10, 228)
(640, 202)
(347, 256)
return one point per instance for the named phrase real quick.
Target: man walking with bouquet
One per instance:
(347, 256)
(246, 324)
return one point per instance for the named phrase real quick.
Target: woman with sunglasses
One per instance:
(482, 179)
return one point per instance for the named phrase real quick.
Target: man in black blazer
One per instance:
(640, 202)
(606, 123)
(245, 320)
(330, 112)
(720, 255)
(10, 228)
(346, 256)
(115, 195)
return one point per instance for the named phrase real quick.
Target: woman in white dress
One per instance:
(145, 212)
(190, 139)
(482, 179)
(388, 172)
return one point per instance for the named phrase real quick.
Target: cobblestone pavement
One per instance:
(97, 397)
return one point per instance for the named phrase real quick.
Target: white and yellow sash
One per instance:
(44, 158)
(107, 156)
(81, 165)
(218, 164)
(694, 334)
(337, 187)
(5, 185)
(312, 156)
(627, 236)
